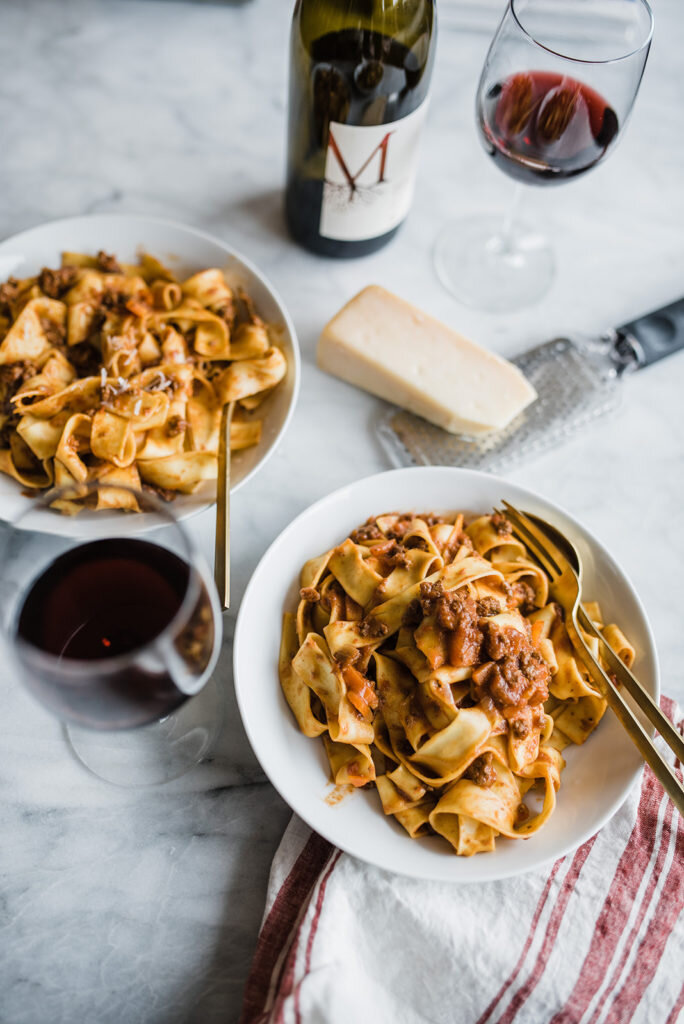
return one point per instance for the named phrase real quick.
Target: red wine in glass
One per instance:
(542, 127)
(96, 610)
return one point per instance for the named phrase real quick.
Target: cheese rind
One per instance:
(384, 345)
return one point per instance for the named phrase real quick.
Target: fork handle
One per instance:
(649, 707)
(631, 724)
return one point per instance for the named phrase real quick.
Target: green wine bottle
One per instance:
(359, 77)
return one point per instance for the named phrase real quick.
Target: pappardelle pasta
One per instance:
(119, 373)
(427, 655)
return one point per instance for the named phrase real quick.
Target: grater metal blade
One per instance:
(576, 382)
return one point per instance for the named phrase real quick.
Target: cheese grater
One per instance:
(577, 379)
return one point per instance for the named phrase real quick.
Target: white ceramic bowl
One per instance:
(185, 251)
(598, 775)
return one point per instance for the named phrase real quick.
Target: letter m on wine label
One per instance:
(369, 177)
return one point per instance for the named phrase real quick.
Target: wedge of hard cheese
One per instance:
(386, 346)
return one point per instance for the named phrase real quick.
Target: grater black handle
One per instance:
(658, 334)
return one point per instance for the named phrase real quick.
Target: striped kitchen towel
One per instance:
(597, 937)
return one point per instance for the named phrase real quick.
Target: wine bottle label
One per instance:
(369, 177)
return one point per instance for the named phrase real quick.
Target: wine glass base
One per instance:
(484, 270)
(156, 753)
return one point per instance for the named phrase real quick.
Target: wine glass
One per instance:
(556, 91)
(116, 635)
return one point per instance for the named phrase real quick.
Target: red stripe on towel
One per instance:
(313, 930)
(645, 902)
(617, 905)
(651, 947)
(552, 927)
(280, 923)
(528, 942)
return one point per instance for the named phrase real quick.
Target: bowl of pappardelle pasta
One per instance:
(121, 339)
(409, 687)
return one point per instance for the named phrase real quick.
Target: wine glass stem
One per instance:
(508, 226)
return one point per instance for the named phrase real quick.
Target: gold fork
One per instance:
(537, 535)
(222, 542)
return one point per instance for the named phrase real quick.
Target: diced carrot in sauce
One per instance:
(360, 705)
(381, 549)
(537, 630)
(353, 775)
(359, 686)
(137, 306)
(354, 680)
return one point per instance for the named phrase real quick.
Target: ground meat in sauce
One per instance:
(369, 531)
(520, 728)
(391, 555)
(501, 641)
(372, 628)
(399, 528)
(487, 606)
(413, 616)
(430, 594)
(16, 373)
(54, 283)
(175, 425)
(450, 608)
(465, 639)
(514, 681)
(522, 723)
(482, 771)
(521, 595)
(398, 556)
(54, 332)
(310, 595)
(107, 264)
(456, 613)
(115, 302)
(347, 656)
(501, 524)
(9, 293)
(417, 542)
(12, 376)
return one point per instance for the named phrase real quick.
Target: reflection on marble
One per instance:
(144, 906)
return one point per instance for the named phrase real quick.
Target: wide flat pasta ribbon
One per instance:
(28, 337)
(248, 376)
(184, 471)
(297, 693)
(487, 540)
(316, 668)
(74, 440)
(112, 439)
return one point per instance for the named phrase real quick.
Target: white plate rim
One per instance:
(233, 254)
(255, 739)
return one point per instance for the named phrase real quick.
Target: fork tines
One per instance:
(565, 575)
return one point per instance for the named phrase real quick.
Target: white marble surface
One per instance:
(144, 907)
